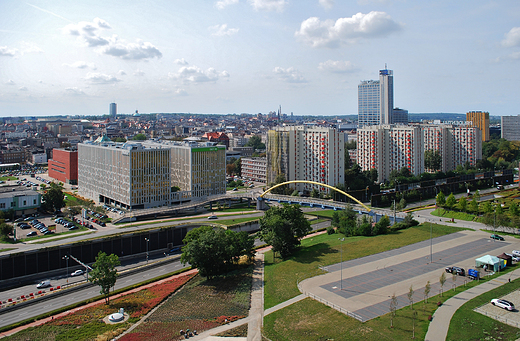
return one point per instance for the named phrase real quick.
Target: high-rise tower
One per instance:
(376, 100)
(113, 109)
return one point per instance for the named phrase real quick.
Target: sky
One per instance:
(63, 57)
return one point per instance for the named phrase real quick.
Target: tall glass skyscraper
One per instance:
(113, 109)
(376, 100)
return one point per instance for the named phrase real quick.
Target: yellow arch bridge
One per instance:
(319, 184)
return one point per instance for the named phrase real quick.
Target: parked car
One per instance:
(456, 270)
(73, 227)
(503, 304)
(77, 273)
(496, 237)
(32, 233)
(516, 253)
(47, 233)
(515, 259)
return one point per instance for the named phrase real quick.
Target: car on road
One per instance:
(77, 273)
(496, 237)
(503, 304)
(212, 217)
(32, 233)
(44, 284)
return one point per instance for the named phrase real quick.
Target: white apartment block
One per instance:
(306, 153)
(144, 175)
(392, 147)
(254, 168)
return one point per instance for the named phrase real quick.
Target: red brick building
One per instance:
(217, 137)
(64, 165)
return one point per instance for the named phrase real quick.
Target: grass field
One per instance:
(7, 249)
(281, 277)
(441, 212)
(230, 222)
(469, 325)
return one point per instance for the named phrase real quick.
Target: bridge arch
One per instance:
(315, 183)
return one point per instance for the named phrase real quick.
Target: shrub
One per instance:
(330, 230)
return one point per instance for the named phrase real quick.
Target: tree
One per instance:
(53, 199)
(432, 160)
(5, 229)
(463, 204)
(255, 141)
(473, 206)
(230, 169)
(427, 290)
(315, 193)
(450, 201)
(283, 227)
(215, 251)
(104, 273)
(513, 209)
(238, 166)
(139, 137)
(381, 227)
(280, 178)
(440, 199)
(442, 280)
(393, 308)
(410, 296)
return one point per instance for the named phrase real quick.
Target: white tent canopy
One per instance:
(492, 262)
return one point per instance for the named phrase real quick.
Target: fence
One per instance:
(511, 322)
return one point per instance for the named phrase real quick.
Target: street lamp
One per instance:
(341, 264)
(66, 257)
(147, 240)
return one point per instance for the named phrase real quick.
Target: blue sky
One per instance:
(232, 56)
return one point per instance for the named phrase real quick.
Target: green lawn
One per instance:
(324, 213)
(69, 234)
(7, 249)
(282, 276)
(230, 222)
(469, 325)
(441, 212)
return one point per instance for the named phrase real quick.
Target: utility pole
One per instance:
(67, 260)
(147, 240)
(341, 265)
(394, 210)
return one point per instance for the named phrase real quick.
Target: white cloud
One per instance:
(28, 47)
(81, 65)
(5, 51)
(23, 88)
(268, 5)
(337, 66)
(121, 72)
(222, 30)
(181, 92)
(346, 30)
(10, 82)
(74, 91)
(181, 61)
(327, 4)
(100, 78)
(512, 38)
(139, 73)
(138, 50)
(90, 33)
(194, 74)
(290, 75)
(224, 3)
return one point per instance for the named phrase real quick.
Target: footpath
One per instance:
(438, 329)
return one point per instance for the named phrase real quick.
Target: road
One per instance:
(63, 299)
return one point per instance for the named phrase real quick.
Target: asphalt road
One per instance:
(63, 299)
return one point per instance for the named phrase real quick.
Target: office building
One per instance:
(392, 147)
(20, 199)
(64, 165)
(399, 116)
(480, 120)
(113, 110)
(306, 153)
(510, 127)
(149, 174)
(376, 100)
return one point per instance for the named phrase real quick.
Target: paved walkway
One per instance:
(438, 329)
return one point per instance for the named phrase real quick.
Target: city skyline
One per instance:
(234, 56)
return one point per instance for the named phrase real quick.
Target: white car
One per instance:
(77, 273)
(503, 304)
(516, 259)
(212, 217)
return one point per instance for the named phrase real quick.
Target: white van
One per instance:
(44, 284)
(516, 253)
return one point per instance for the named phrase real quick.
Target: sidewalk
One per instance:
(438, 329)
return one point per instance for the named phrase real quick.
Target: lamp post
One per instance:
(341, 265)
(147, 240)
(66, 257)
(431, 243)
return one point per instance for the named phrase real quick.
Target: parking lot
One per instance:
(510, 317)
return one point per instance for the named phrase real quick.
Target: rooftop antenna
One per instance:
(385, 67)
